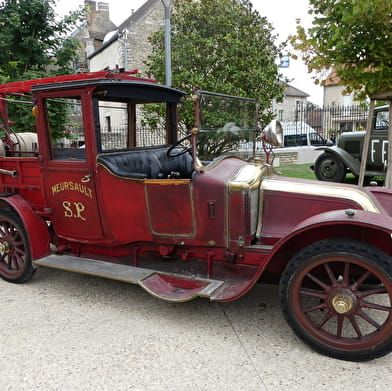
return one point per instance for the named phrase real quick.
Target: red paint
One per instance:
(186, 230)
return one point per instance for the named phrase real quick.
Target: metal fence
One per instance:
(331, 120)
(117, 138)
(328, 122)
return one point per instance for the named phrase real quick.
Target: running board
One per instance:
(166, 286)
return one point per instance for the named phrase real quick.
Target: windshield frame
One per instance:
(199, 128)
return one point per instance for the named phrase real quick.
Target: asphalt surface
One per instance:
(64, 331)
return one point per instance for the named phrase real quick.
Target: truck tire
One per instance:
(336, 295)
(330, 168)
(15, 259)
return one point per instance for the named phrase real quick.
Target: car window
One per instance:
(382, 120)
(316, 139)
(295, 140)
(65, 122)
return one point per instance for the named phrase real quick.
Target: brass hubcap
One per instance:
(342, 303)
(4, 248)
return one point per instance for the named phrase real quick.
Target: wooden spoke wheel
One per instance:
(337, 297)
(15, 261)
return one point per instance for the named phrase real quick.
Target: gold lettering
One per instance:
(79, 209)
(68, 210)
(72, 186)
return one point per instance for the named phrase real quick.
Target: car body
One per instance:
(84, 198)
(337, 161)
(297, 133)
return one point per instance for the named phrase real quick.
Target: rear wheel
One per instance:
(337, 297)
(329, 167)
(15, 260)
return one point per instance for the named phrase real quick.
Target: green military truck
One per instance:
(337, 160)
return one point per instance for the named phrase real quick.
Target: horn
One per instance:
(272, 134)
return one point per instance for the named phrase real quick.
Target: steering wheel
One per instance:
(184, 147)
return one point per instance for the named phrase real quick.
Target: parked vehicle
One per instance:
(334, 164)
(300, 134)
(182, 223)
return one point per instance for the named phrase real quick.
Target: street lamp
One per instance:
(167, 4)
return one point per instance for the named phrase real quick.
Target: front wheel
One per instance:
(330, 168)
(15, 260)
(337, 297)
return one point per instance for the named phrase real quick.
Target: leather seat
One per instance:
(147, 164)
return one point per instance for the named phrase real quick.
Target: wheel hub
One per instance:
(4, 248)
(343, 301)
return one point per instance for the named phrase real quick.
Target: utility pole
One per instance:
(168, 76)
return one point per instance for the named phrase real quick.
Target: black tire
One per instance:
(330, 168)
(15, 259)
(336, 295)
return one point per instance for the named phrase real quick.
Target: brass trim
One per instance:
(165, 182)
(249, 177)
(326, 190)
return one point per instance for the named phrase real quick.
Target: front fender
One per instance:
(348, 160)
(36, 228)
(370, 227)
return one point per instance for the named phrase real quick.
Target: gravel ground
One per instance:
(64, 331)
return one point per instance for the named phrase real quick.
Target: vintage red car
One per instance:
(89, 192)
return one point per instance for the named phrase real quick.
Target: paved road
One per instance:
(63, 331)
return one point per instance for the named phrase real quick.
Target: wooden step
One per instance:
(167, 286)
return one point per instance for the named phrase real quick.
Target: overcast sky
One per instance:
(282, 14)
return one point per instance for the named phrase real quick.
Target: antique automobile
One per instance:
(338, 160)
(90, 191)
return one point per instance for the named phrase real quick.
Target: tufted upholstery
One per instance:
(183, 164)
(143, 164)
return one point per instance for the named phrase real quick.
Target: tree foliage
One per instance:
(353, 38)
(223, 46)
(34, 43)
(32, 39)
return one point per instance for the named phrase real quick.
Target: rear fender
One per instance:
(373, 228)
(348, 160)
(36, 228)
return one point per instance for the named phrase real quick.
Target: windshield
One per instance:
(227, 124)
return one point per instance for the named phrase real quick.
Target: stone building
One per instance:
(128, 46)
(294, 101)
(92, 32)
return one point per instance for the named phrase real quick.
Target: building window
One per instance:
(347, 101)
(108, 123)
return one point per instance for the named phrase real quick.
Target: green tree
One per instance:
(223, 46)
(33, 40)
(351, 37)
(34, 43)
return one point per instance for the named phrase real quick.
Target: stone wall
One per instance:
(130, 46)
(147, 20)
(281, 158)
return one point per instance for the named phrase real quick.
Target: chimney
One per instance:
(91, 6)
